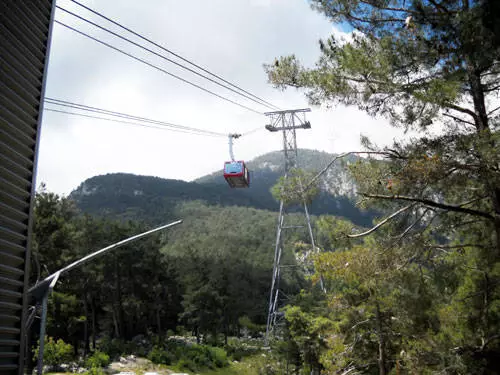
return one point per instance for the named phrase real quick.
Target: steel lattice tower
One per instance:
(287, 122)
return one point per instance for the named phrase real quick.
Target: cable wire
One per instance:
(163, 57)
(101, 111)
(252, 131)
(157, 67)
(171, 52)
(132, 123)
(68, 104)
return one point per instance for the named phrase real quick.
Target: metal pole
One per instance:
(275, 274)
(42, 334)
(89, 257)
(321, 284)
(51, 280)
(43, 323)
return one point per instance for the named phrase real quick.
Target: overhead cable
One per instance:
(148, 122)
(172, 53)
(258, 101)
(157, 67)
(128, 122)
(143, 121)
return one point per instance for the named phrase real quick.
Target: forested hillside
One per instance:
(153, 199)
(416, 291)
(210, 276)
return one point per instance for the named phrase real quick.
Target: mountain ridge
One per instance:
(149, 198)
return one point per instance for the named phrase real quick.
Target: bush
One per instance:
(157, 355)
(117, 347)
(192, 357)
(218, 357)
(97, 360)
(204, 356)
(187, 364)
(237, 350)
(95, 371)
(112, 347)
(55, 352)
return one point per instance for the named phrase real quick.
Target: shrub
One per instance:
(187, 364)
(95, 371)
(97, 360)
(112, 347)
(117, 347)
(158, 355)
(218, 357)
(192, 357)
(55, 352)
(205, 356)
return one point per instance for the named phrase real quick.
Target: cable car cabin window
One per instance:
(236, 174)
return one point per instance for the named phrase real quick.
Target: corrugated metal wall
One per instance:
(24, 39)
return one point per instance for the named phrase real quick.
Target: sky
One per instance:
(230, 38)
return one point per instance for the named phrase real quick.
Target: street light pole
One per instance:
(41, 290)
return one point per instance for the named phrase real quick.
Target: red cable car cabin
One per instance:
(236, 174)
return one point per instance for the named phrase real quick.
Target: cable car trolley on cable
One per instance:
(235, 172)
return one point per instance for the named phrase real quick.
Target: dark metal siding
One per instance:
(25, 27)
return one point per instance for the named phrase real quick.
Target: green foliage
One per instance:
(308, 332)
(95, 371)
(422, 293)
(113, 347)
(97, 360)
(56, 352)
(253, 329)
(295, 188)
(190, 357)
(238, 349)
(160, 356)
(154, 200)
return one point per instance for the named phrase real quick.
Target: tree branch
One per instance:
(490, 89)
(405, 232)
(428, 202)
(382, 222)
(362, 322)
(440, 6)
(454, 246)
(370, 20)
(459, 119)
(463, 110)
(493, 110)
(308, 185)
(404, 10)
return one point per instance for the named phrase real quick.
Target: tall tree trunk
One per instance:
(482, 125)
(158, 320)
(226, 327)
(381, 343)
(481, 120)
(94, 323)
(86, 346)
(115, 323)
(118, 306)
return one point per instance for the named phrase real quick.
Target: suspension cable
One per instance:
(171, 52)
(150, 122)
(164, 58)
(157, 67)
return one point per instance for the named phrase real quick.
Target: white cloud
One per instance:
(230, 38)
